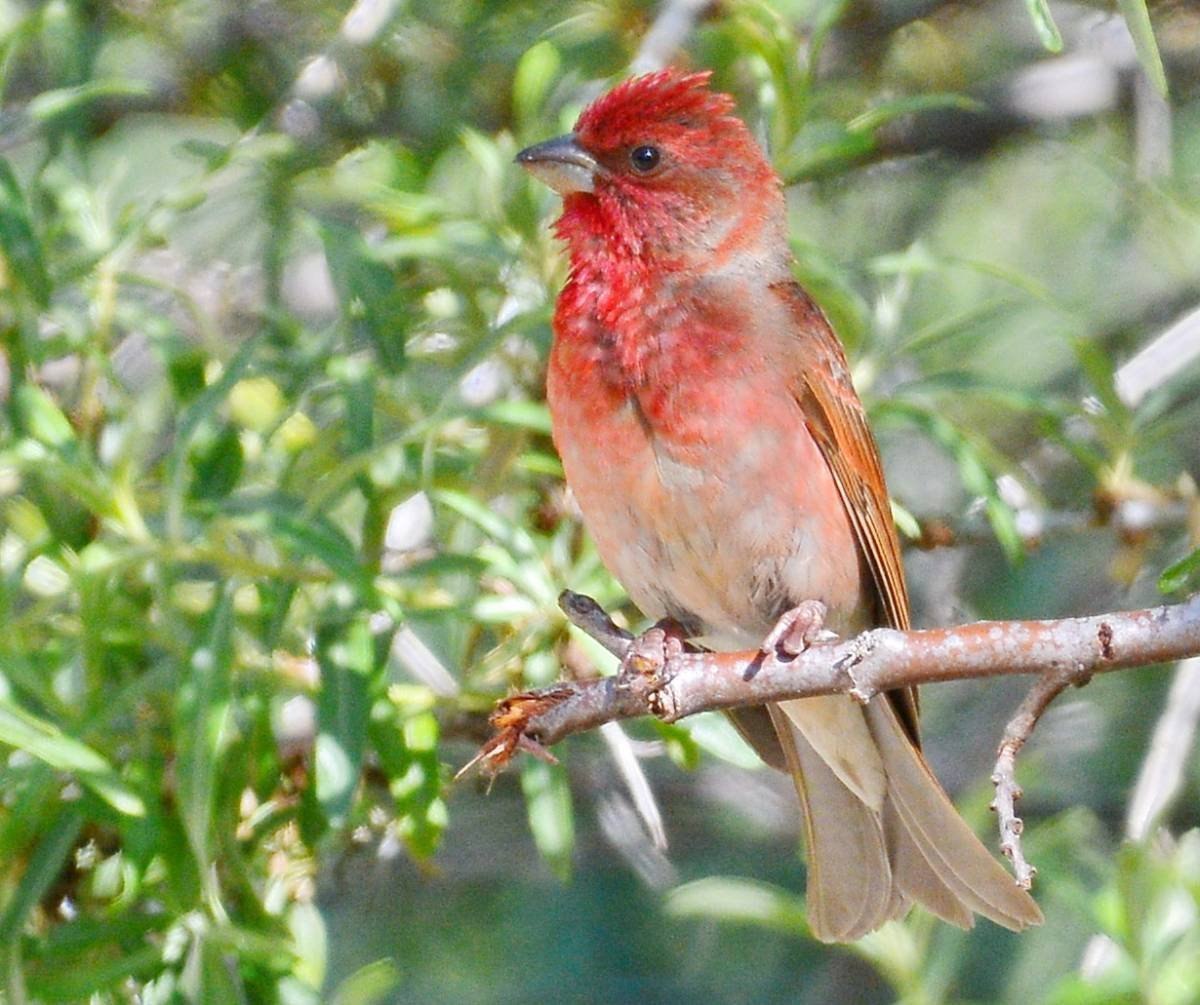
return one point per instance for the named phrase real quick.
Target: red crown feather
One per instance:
(666, 96)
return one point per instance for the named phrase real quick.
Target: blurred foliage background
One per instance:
(280, 517)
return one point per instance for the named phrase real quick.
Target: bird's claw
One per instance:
(646, 660)
(796, 630)
(649, 653)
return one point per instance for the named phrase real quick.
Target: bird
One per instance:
(721, 458)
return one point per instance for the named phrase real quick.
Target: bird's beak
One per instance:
(562, 164)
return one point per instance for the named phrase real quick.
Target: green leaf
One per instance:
(531, 415)
(346, 654)
(217, 464)
(194, 416)
(310, 943)
(824, 147)
(317, 537)
(78, 958)
(202, 717)
(715, 733)
(207, 975)
(536, 72)
(404, 734)
(72, 984)
(42, 418)
(680, 746)
(372, 302)
(1043, 23)
(739, 900)
(185, 368)
(515, 538)
(46, 742)
(551, 819)
(50, 105)
(20, 247)
(1100, 369)
(359, 390)
(368, 985)
(1179, 574)
(895, 108)
(1137, 18)
(43, 869)
(907, 524)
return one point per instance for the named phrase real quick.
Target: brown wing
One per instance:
(838, 423)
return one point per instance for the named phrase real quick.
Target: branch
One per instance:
(1063, 653)
(878, 660)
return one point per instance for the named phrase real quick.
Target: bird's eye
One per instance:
(644, 158)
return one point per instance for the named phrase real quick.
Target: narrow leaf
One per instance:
(69, 985)
(536, 72)
(316, 537)
(889, 111)
(1176, 576)
(372, 303)
(739, 900)
(18, 245)
(1137, 18)
(368, 985)
(44, 867)
(46, 742)
(201, 717)
(531, 415)
(551, 819)
(346, 656)
(50, 105)
(1043, 23)
(42, 418)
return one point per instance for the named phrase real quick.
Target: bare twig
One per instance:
(591, 619)
(1047, 687)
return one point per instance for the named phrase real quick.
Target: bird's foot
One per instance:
(649, 653)
(796, 630)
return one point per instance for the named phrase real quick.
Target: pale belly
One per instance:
(722, 518)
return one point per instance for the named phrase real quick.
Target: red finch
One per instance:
(707, 423)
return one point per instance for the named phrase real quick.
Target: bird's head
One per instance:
(660, 168)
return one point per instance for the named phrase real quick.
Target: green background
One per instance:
(280, 518)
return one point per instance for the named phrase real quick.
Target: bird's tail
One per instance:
(880, 831)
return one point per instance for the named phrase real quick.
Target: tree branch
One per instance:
(1063, 653)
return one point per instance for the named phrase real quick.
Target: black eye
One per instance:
(644, 158)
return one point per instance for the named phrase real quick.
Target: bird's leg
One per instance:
(796, 630)
(650, 652)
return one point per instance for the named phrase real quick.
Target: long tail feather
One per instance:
(950, 848)
(873, 851)
(849, 877)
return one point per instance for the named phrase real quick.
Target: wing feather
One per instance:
(837, 421)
